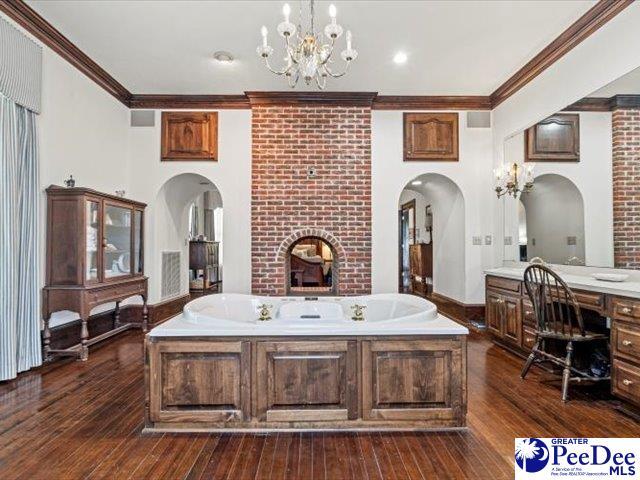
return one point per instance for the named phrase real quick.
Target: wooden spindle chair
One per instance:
(558, 317)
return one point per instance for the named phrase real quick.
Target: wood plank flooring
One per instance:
(84, 421)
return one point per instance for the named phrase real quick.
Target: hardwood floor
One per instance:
(84, 421)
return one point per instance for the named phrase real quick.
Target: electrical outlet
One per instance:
(477, 240)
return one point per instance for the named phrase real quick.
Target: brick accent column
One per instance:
(626, 188)
(287, 141)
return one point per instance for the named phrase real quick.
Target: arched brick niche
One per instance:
(311, 176)
(303, 237)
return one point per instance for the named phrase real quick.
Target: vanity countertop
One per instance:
(628, 288)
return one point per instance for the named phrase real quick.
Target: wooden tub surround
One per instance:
(401, 382)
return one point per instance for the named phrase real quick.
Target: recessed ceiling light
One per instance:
(416, 182)
(400, 57)
(223, 57)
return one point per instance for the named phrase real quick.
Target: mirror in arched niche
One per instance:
(550, 222)
(188, 207)
(431, 216)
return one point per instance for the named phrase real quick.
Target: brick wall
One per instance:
(286, 204)
(626, 188)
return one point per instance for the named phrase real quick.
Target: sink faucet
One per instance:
(358, 312)
(265, 313)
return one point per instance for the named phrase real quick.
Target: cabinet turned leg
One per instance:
(116, 316)
(145, 314)
(84, 338)
(46, 340)
(566, 373)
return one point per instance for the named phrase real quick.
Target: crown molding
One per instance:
(189, 101)
(364, 99)
(431, 102)
(591, 21)
(37, 26)
(605, 104)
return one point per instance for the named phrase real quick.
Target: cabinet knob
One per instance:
(627, 382)
(528, 339)
(528, 312)
(625, 310)
(626, 343)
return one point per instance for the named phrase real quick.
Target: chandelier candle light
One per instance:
(513, 180)
(306, 54)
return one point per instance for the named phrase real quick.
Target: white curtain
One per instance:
(19, 250)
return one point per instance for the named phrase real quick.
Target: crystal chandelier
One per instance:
(513, 180)
(307, 55)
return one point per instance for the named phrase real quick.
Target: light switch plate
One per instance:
(477, 240)
(487, 239)
(508, 240)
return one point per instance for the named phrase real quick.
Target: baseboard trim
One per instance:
(465, 312)
(64, 336)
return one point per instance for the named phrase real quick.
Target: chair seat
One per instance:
(576, 337)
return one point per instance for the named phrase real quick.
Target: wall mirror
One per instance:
(577, 199)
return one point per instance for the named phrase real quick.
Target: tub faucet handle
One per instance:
(265, 312)
(358, 312)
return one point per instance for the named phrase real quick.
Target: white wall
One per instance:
(390, 175)
(231, 175)
(592, 175)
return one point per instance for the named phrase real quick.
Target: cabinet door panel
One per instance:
(306, 381)
(199, 381)
(494, 313)
(512, 320)
(189, 136)
(431, 136)
(556, 138)
(412, 380)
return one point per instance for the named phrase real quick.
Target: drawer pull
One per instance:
(625, 310)
(626, 343)
(528, 312)
(528, 339)
(627, 382)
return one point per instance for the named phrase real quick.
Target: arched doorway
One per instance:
(431, 238)
(188, 219)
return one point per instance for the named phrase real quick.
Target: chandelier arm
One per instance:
(337, 75)
(330, 54)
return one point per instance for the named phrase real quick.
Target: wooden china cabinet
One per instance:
(95, 255)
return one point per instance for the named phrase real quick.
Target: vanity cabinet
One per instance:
(190, 136)
(510, 320)
(94, 255)
(555, 139)
(431, 136)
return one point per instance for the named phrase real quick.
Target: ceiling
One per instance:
(453, 48)
(628, 84)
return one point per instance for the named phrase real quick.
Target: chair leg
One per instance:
(530, 360)
(566, 372)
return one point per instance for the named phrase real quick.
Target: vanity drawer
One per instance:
(625, 380)
(625, 308)
(504, 283)
(625, 341)
(590, 300)
(528, 338)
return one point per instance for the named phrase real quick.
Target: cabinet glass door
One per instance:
(93, 234)
(117, 241)
(137, 243)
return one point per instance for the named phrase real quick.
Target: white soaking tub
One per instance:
(238, 314)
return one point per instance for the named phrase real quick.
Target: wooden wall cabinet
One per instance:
(431, 136)
(95, 255)
(190, 136)
(554, 139)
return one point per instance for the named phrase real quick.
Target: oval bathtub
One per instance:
(238, 314)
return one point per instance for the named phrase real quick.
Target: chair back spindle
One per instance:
(554, 304)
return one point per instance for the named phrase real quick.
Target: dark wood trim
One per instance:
(189, 101)
(604, 104)
(37, 26)
(590, 22)
(431, 102)
(590, 104)
(462, 312)
(364, 99)
(66, 335)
